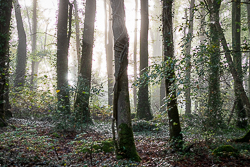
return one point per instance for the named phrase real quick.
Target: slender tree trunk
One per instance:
(135, 55)
(110, 58)
(162, 95)
(237, 58)
(62, 57)
(121, 106)
(21, 50)
(109, 51)
(5, 16)
(248, 24)
(34, 38)
(84, 81)
(143, 108)
(232, 69)
(189, 37)
(77, 35)
(200, 102)
(173, 115)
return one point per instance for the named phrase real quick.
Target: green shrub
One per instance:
(226, 151)
(143, 125)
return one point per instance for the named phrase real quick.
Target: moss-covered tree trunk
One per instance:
(84, 80)
(121, 106)
(5, 16)
(214, 102)
(143, 108)
(168, 43)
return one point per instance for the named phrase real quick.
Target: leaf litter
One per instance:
(27, 143)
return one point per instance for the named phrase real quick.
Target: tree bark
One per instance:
(143, 108)
(77, 35)
(84, 81)
(109, 51)
(34, 38)
(189, 37)
(5, 17)
(135, 55)
(214, 101)
(248, 24)
(237, 58)
(233, 71)
(173, 115)
(21, 49)
(62, 57)
(121, 106)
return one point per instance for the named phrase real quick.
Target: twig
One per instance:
(56, 154)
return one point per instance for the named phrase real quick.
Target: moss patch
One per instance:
(106, 146)
(126, 144)
(226, 151)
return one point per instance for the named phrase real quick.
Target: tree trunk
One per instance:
(232, 69)
(143, 108)
(21, 49)
(34, 38)
(214, 101)
(62, 57)
(84, 81)
(135, 55)
(77, 35)
(109, 52)
(189, 38)
(200, 102)
(121, 106)
(237, 58)
(173, 115)
(5, 16)
(248, 24)
(162, 95)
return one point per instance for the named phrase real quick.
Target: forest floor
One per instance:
(27, 143)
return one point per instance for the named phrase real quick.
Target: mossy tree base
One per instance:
(245, 138)
(126, 146)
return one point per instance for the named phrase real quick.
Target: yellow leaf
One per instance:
(57, 91)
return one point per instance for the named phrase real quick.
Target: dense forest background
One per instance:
(107, 74)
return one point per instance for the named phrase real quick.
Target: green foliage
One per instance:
(31, 104)
(106, 146)
(142, 125)
(101, 113)
(226, 151)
